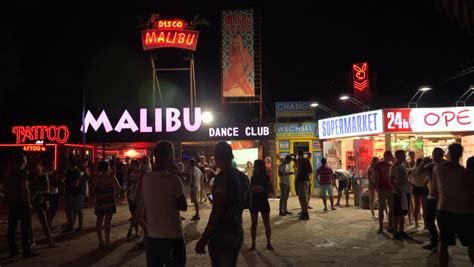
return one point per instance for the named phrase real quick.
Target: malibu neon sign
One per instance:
(169, 33)
(172, 121)
(57, 134)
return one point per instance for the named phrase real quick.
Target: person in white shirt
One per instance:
(196, 178)
(164, 198)
(284, 171)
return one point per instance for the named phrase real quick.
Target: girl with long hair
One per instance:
(240, 66)
(260, 189)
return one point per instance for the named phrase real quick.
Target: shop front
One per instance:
(292, 138)
(351, 141)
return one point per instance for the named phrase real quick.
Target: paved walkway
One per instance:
(346, 237)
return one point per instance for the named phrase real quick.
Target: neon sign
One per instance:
(361, 76)
(34, 148)
(176, 24)
(172, 116)
(57, 134)
(456, 119)
(169, 33)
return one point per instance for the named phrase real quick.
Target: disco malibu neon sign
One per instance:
(172, 121)
(169, 33)
(56, 134)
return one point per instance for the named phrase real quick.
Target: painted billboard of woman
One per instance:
(240, 67)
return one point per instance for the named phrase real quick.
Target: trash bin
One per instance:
(356, 188)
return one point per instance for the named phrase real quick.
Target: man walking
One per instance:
(165, 242)
(401, 197)
(19, 205)
(427, 167)
(454, 186)
(326, 182)
(284, 171)
(302, 183)
(196, 178)
(224, 231)
(74, 197)
(384, 190)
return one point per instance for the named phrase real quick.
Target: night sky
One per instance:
(51, 53)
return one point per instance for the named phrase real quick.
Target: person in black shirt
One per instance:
(73, 198)
(19, 205)
(260, 189)
(224, 231)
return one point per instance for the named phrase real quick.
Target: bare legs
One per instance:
(105, 227)
(140, 217)
(268, 229)
(371, 200)
(44, 224)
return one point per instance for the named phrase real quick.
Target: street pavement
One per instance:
(345, 237)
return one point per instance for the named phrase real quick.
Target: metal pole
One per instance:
(84, 120)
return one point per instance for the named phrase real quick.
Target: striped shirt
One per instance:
(325, 175)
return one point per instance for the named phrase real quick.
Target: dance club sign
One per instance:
(425, 120)
(39, 133)
(169, 33)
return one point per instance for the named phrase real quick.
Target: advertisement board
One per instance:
(429, 120)
(294, 109)
(364, 123)
(237, 48)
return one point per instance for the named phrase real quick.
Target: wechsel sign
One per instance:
(293, 109)
(365, 123)
(285, 130)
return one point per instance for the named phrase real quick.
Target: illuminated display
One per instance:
(365, 123)
(361, 76)
(164, 38)
(57, 134)
(361, 83)
(34, 148)
(176, 24)
(172, 116)
(239, 131)
(455, 119)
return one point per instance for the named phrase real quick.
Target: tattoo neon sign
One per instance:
(169, 33)
(57, 134)
(34, 148)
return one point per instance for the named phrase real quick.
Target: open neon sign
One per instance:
(57, 134)
(169, 33)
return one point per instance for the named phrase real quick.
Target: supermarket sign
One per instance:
(425, 120)
(365, 123)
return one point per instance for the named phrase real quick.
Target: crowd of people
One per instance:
(442, 189)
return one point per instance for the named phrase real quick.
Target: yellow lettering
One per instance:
(150, 38)
(181, 37)
(190, 39)
(161, 38)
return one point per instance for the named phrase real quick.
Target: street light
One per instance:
(413, 103)
(324, 108)
(207, 117)
(462, 100)
(355, 101)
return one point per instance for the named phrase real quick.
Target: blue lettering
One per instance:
(347, 125)
(375, 121)
(370, 122)
(364, 122)
(341, 122)
(332, 127)
(359, 128)
(354, 125)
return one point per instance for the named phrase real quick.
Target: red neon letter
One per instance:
(446, 119)
(431, 114)
(463, 117)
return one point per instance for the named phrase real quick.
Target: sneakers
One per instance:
(195, 218)
(282, 214)
(309, 207)
(303, 217)
(390, 230)
(288, 213)
(397, 236)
